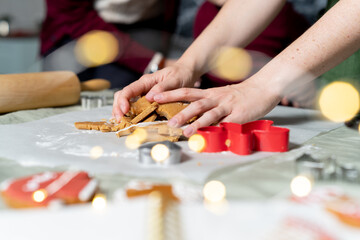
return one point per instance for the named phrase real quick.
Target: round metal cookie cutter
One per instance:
(349, 172)
(146, 159)
(319, 169)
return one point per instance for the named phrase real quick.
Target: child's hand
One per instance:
(173, 77)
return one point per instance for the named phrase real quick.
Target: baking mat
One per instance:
(54, 141)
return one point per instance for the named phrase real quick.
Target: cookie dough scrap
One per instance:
(151, 118)
(104, 126)
(145, 113)
(155, 132)
(154, 127)
(139, 106)
(89, 125)
(161, 138)
(169, 110)
(124, 122)
(126, 131)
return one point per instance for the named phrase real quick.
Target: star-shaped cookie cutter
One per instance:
(243, 139)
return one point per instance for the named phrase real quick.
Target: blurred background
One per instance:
(20, 24)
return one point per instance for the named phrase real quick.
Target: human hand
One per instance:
(173, 77)
(239, 103)
(302, 95)
(169, 62)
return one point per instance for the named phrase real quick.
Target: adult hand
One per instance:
(173, 77)
(302, 95)
(239, 103)
(170, 62)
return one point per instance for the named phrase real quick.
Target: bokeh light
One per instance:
(232, 64)
(214, 191)
(197, 143)
(99, 202)
(39, 195)
(97, 48)
(132, 142)
(217, 208)
(96, 152)
(137, 138)
(228, 142)
(141, 134)
(160, 152)
(301, 186)
(339, 101)
(4, 28)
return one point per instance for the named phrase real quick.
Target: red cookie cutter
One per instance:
(243, 139)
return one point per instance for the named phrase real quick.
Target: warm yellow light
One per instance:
(99, 202)
(339, 101)
(301, 186)
(132, 142)
(137, 138)
(232, 64)
(96, 152)
(39, 195)
(214, 191)
(141, 134)
(217, 208)
(228, 142)
(160, 152)
(197, 143)
(97, 48)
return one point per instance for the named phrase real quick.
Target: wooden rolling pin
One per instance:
(44, 89)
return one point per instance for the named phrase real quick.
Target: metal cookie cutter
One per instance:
(348, 172)
(90, 102)
(243, 139)
(319, 169)
(168, 154)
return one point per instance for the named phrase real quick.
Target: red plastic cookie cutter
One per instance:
(243, 139)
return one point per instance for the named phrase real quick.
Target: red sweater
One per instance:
(73, 18)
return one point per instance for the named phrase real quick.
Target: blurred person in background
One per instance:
(142, 28)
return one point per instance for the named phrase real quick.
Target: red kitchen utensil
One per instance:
(243, 139)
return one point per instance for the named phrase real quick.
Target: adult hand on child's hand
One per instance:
(239, 103)
(173, 77)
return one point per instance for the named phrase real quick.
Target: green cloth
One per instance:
(349, 69)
